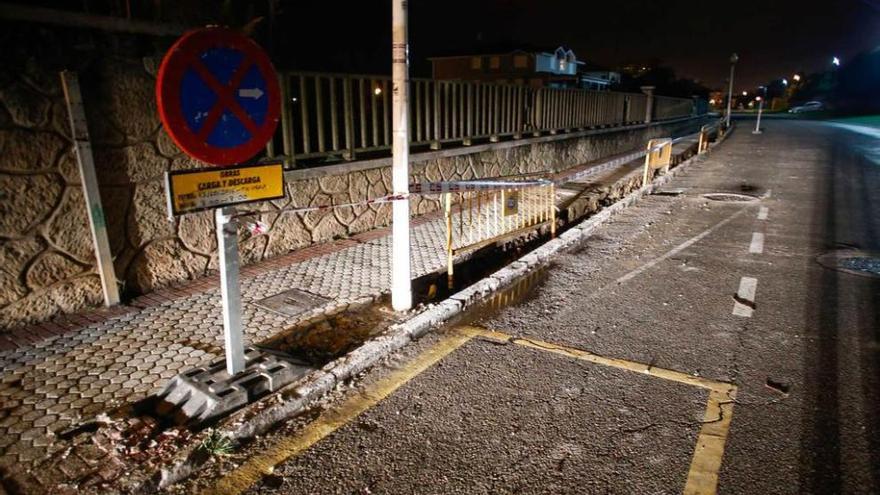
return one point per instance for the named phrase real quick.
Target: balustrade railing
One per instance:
(345, 115)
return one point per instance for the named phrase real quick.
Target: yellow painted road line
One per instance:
(254, 469)
(703, 473)
(676, 376)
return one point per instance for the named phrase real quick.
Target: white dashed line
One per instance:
(762, 213)
(757, 245)
(744, 304)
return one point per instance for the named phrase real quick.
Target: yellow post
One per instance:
(447, 212)
(552, 210)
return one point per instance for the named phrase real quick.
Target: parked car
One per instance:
(810, 106)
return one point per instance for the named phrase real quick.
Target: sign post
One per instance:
(89, 178)
(227, 249)
(219, 100)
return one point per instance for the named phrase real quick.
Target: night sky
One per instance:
(773, 38)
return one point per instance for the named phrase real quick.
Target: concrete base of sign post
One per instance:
(243, 427)
(199, 395)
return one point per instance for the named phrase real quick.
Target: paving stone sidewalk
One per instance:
(58, 374)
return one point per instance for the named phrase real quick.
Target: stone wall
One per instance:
(46, 260)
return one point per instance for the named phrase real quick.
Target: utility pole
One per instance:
(733, 59)
(401, 283)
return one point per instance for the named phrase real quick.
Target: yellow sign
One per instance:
(511, 203)
(195, 190)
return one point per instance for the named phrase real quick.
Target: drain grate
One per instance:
(293, 302)
(852, 261)
(729, 197)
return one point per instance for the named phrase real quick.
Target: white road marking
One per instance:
(681, 247)
(746, 292)
(762, 213)
(757, 245)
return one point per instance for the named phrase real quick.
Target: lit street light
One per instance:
(797, 77)
(835, 62)
(784, 81)
(745, 93)
(733, 59)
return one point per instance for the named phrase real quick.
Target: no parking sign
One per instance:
(218, 99)
(218, 96)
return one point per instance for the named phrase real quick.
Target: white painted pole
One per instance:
(401, 290)
(733, 59)
(227, 249)
(758, 123)
(94, 210)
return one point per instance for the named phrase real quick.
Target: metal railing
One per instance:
(343, 115)
(485, 217)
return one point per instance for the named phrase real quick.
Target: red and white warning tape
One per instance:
(461, 186)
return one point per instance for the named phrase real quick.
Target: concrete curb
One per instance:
(320, 382)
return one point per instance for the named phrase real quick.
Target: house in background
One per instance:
(536, 68)
(598, 79)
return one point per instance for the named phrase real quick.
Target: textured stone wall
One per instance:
(46, 260)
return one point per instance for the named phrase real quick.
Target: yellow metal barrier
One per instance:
(485, 217)
(658, 156)
(703, 145)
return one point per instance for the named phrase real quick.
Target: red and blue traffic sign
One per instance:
(218, 96)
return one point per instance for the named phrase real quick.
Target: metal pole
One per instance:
(733, 60)
(758, 123)
(89, 178)
(227, 248)
(760, 110)
(401, 289)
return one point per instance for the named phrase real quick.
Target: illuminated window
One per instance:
(476, 63)
(520, 61)
(494, 62)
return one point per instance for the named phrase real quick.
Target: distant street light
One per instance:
(797, 77)
(784, 81)
(733, 59)
(745, 93)
(835, 62)
(377, 91)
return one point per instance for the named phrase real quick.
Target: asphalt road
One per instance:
(730, 291)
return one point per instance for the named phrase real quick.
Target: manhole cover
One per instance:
(732, 197)
(852, 261)
(292, 302)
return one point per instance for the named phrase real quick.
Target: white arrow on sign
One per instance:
(254, 93)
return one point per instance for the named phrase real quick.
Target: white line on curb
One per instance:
(762, 213)
(757, 245)
(746, 293)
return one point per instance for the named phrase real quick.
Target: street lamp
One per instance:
(784, 81)
(835, 62)
(733, 59)
(797, 77)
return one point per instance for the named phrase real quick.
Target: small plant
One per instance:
(216, 443)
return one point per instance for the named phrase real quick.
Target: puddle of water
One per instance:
(319, 342)
(525, 289)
